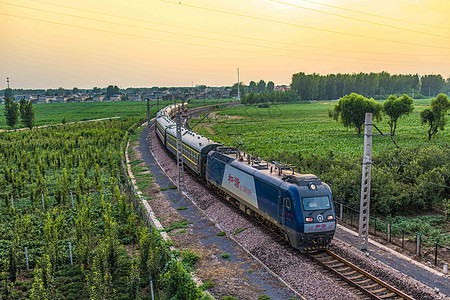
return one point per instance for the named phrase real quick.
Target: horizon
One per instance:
(167, 43)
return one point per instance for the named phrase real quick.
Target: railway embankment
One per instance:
(299, 272)
(222, 266)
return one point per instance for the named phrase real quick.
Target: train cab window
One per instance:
(316, 203)
(288, 203)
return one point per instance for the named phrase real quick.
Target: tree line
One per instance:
(378, 85)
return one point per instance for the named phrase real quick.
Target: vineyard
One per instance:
(410, 180)
(67, 230)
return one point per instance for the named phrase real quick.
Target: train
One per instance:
(297, 206)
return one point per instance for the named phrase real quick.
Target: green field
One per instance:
(53, 113)
(410, 181)
(306, 128)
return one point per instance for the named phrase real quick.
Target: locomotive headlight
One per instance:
(309, 219)
(312, 186)
(330, 218)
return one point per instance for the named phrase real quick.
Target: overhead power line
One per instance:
(176, 41)
(301, 26)
(207, 38)
(375, 15)
(194, 36)
(361, 20)
(228, 34)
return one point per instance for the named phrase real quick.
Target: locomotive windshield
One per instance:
(315, 203)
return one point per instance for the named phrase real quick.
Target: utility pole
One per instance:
(239, 93)
(148, 112)
(149, 130)
(363, 237)
(179, 154)
(7, 81)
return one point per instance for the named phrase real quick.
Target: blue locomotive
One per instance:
(299, 206)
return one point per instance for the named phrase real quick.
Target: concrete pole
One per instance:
(363, 237)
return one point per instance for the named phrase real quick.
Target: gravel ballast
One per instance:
(307, 278)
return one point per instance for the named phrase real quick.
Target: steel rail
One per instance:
(381, 293)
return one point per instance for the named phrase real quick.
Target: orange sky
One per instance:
(49, 43)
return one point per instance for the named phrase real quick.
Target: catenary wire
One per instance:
(361, 20)
(187, 43)
(174, 41)
(300, 26)
(374, 15)
(228, 34)
(193, 36)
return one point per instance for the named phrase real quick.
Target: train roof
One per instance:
(165, 121)
(274, 172)
(193, 139)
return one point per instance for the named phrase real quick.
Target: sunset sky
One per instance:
(145, 43)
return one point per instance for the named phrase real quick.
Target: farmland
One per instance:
(67, 230)
(409, 180)
(53, 113)
(305, 128)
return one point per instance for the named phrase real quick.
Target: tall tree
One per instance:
(252, 87)
(261, 86)
(112, 90)
(9, 93)
(432, 84)
(351, 110)
(27, 113)
(397, 107)
(270, 86)
(11, 112)
(234, 90)
(435, 117)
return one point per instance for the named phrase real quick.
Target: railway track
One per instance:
(369, 285)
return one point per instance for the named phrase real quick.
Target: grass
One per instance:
(222, 233)
(182, 208)
(306, 129)
(207, 285)
(136, 162)
(170, 187)
(53, 113)
(182, 224)
(225, 255)
(239, 230)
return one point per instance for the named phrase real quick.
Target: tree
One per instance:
(112, 90)
(61, 91)
(431, 84)
(397, 107)
(351, 110)
(9, 93)
(270, 86)
(252, 87)
(435, 117)
(234, 90)
(11, 112)
(27, 113)
(75, 90)
(261, 86)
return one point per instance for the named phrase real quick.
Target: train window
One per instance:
(288, 203)
(316, 203)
